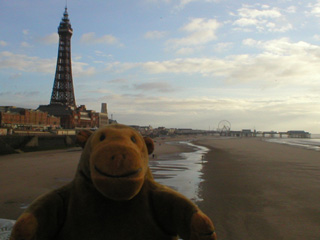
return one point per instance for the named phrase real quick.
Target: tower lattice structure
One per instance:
(63, 92)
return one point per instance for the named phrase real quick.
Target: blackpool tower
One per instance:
(62, 91)
(63, 103)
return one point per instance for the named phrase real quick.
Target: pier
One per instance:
(270, 134)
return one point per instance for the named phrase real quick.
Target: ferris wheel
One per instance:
(224, 126)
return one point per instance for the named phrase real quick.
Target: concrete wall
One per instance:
(12, 144)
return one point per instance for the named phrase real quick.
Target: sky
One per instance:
(171, 63)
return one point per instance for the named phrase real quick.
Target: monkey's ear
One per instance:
(150, 144)
(82, 137)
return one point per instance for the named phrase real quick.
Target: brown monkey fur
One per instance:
(113, 196)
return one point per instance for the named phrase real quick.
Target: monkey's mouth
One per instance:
(125, 175)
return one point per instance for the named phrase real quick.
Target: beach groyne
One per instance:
(14, 144)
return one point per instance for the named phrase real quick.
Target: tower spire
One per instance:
(62, 91)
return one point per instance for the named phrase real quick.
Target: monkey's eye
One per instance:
(102, 137)
(133, 139)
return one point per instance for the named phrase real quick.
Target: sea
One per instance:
(312, 143)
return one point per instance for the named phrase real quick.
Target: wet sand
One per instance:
(259, 190)
(251, 190)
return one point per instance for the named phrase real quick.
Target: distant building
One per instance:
(246, 133)
(184, 131)
(65, 113)
(84, 118)
(298, 134)
(20, 118)
(73, 118)
(112, 121)
(103, 116)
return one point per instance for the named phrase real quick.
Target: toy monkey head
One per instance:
(115, 158)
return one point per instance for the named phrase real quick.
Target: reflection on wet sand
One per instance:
(181, 172)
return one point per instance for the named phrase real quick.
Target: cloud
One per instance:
(155, 34)
(266, 113)
(291, 9)
(280, 62)
(154, 86)
(80, 69)
(9, 60)
(52, 38)
(183, 3)
(3, 43)
(223, 46)
(19, 94)
(284, 47)
(249, 12)
(157, 1)
(121, 67)
(25, 32)
(185, 51)
(315, 9)
(15, 76)
(200, 31)
(102, 54)
(25, 44)
(316, 37)
(103, 91)
(76, 56)
(180, 4)
(25, 99)
(118, 81)
(204, 66)
(91, 38)
(263, 19)
(26, 63)
(145, 87)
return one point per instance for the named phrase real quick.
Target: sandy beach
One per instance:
(259, 190)
(252, 189)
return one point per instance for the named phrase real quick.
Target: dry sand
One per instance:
(252, 189)
(23, 177)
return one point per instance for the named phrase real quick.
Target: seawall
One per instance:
(15, 144)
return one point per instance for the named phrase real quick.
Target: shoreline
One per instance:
(171, 145)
